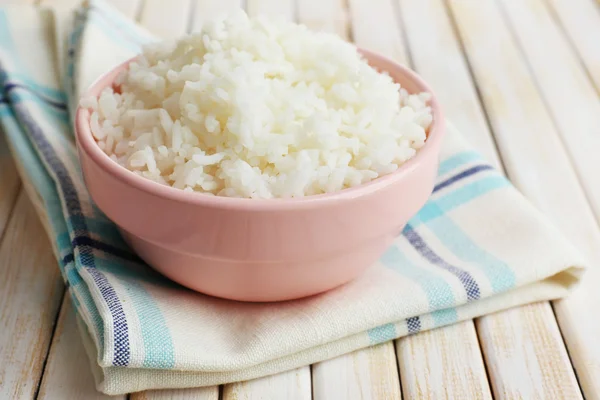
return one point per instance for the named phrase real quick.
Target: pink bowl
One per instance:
(261, 250)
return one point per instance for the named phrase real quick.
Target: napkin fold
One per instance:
(475, 248)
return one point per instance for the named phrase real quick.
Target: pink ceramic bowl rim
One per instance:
(89, 146)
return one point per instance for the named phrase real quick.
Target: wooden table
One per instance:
(521, 80)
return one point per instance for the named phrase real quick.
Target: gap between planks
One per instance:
(30, 294)
(522, 122)
(458, 95)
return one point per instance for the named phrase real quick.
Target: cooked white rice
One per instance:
(258, 109)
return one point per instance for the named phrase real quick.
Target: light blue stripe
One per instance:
(381, 334)
(444, 317)
(18, 95)
(158, 344)
(436, 208)
(457, 160)
(438, 291)
(57, 115)
(500, 275)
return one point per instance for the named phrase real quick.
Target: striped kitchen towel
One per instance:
(475, 248)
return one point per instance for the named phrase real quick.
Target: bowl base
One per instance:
(258, 282)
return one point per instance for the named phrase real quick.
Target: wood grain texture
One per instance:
(207, 393)
(367, 374)
(580, 20)
(30, 294)
(273, 8)
(67, 374)
(459, 98)
(207, 9)
(424, 43)
(292, 385)
(166, 22)
(443, 364)
(564, 85)
(437, 56)
(538, 165)
(9, 184)
(513, 358)
(388, 38)
(325, 15)
(130, 8)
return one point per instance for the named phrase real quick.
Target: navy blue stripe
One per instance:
(97, 245)
(413, 324)
(470, 285)
(69, 258)
(8, 86)
(86, 256)
(462, 175)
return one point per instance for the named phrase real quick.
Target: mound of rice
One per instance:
(258, 109)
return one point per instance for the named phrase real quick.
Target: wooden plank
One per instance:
(67, 374)
(450, 79)
(443, 364)
(437, 40)
(272, 8)
(365, 374)
(538, 164)
(9, 184)
(388, 38)
(581, 22)
(130, 8)
(207, 393)
(292, 385)
(167, 21)
(425, 369)
(564, 84)
(207, 9)
(325, 15)
(506, 355)
(30, 294)
(357, 370)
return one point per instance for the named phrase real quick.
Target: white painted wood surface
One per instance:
(273, 8)
(539, 166)
(367, 374)
(442, 364)
(565, 86)
(210, 393)
(437, 56)
(387, 38)
(510, 346)
(422, 43)
(30, 293)
(581, 22)
(292, 385)
(207, 9)
(437, 40)
(166, 22)
(130, 8)
(324, 15)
